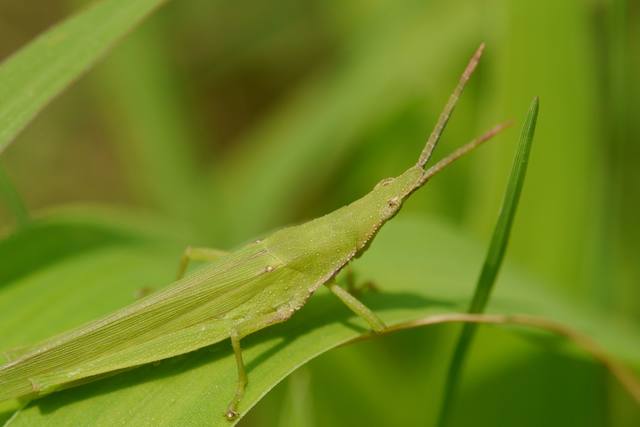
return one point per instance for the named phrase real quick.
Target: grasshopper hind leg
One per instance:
(189, 254)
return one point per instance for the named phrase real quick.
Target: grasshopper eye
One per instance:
(384, 183)
(391, 207)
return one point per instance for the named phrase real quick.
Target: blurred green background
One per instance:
(234, 118)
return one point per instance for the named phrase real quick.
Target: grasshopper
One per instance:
(236, 294)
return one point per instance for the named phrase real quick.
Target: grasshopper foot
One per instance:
(143, 292)
(364, 288)
(232, 409)
(355, 288)
(231, 413)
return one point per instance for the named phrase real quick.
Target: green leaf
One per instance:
(493, 260)
(45, 67)
(70, 232)
(45, 243)
(417, 277)
(502, 230)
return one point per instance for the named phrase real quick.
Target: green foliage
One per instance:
(194, 389)
(44, 68)
(307, 108)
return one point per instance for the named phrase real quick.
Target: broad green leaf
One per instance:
(74, 231)
(37, 73)
(48, 242)
(417, 277)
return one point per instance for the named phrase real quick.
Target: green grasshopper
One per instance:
(238, 293)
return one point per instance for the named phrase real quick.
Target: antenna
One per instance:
(448, 108)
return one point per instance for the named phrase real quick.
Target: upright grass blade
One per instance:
(492, 261)
(45, 67)
(12, 199)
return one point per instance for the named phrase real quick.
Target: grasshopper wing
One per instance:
(194, 312)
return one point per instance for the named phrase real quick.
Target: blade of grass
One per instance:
(12, 199)
(40, 71)
(492, 262)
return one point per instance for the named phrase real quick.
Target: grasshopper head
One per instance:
(389, 194)
(393, 191)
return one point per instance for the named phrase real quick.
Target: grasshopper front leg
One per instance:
(357, 307)
(197, 254)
